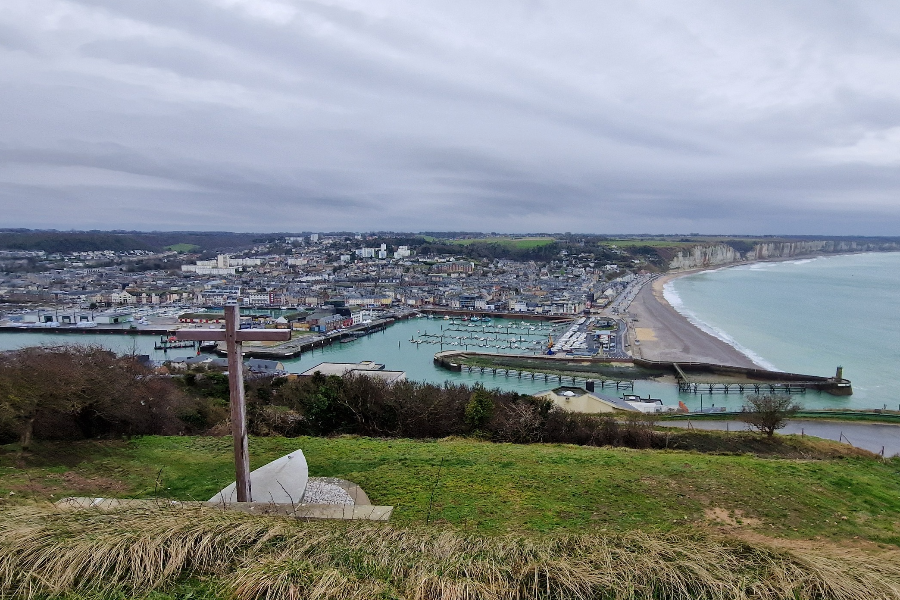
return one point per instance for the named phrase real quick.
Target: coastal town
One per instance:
(316, 282)
(591, 306)
(335, 287)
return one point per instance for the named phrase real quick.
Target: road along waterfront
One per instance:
(874, 437)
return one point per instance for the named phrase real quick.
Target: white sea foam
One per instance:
(672, 297)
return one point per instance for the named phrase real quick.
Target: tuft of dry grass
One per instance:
(45, 552)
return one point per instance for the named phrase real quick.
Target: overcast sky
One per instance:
(517, 116)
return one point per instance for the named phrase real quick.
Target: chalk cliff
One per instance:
(701, 256)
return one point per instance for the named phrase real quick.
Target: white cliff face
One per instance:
(788, 249)
(704, 256)
(699, 257)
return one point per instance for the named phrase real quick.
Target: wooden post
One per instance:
(232, 335)
(238, 403)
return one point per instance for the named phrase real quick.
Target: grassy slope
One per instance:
(674, 243)
(500, 487)
(517, 243)
(181, 248)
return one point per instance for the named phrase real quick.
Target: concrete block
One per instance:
(309, 512)
(282, 481)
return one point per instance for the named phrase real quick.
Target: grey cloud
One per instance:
(390, 115)
(13, 39)
(183, 61)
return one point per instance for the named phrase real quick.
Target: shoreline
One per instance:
(660, 332)
(665, 334)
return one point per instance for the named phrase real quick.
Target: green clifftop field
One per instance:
(793, 519)
(496, 488)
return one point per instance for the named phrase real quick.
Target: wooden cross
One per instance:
(233, 335)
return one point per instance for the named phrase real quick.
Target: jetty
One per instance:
(166, 344)
(296, 347)
(691, 377)
(718, 379)
(455, 361)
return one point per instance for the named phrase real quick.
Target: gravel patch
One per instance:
(323, 492)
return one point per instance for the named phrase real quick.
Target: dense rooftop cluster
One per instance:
(539, 275)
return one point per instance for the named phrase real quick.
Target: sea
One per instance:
(807, 316)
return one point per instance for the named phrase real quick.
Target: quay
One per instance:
(691, 377)
(297, 347)
(515, 316)
(289, 349)
(713, 379)
(75, 329)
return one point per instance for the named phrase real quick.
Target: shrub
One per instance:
(362, 405)
(480, 408)
(70, 392)
(769, 412)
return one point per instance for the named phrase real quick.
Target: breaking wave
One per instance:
(672, 297)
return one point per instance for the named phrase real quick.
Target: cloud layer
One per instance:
(284, 115)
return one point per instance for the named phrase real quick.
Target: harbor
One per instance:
(388, 342)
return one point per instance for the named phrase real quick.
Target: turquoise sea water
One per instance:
(121, 344)
(808, 316)
(390, 347)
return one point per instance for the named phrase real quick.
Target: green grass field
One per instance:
(652, 243)
(517, 243)
(674, 243)
(182, 248)
(808, 521)
(495, 488)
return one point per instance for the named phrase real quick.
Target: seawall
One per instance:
(646, 369)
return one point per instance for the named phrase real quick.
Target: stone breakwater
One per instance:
(701, 256)
(691, 377)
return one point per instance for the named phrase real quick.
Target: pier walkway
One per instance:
(548, 376)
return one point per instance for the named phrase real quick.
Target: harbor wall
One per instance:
(87, 330)
(840, 387)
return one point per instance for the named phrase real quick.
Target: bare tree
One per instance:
(93, 390)
(769, 412)
(32, 380)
